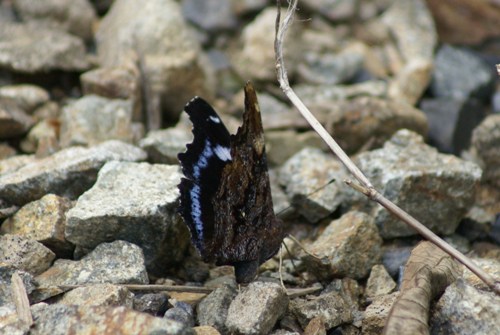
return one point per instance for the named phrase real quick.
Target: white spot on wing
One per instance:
(214, 119)
(203, 160)
(223, 153)
(196, 210)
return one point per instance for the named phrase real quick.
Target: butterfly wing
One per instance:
(202, 165)
(246, 225)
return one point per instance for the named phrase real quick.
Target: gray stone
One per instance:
(379, 282)
(67, 173)
(152, 303)
(451, 122)
(182, 312)
(212, 310)
(242, 7)
(305, 178)
(330, 69)
(25, 254)
(332, 307)
(278, 116)
(394, 257)
(463, 309)
(329, 95)
(14, 163)
(489, 265)
(412, 26)
(117, 262)
(40, 136)
(163, 145)
(60, 319)
(256, 308)
(281, 145)
(349, 246)
(27, 97)
(255, 57)
(436, 189)
(210, 15)
(98, 295)
(91, 120)
(135, 202)
(369, 120)
(14, 121)
(410, 83)
(486, 143)
(334, 10)
(376, 314)
(73, 16)
(171, 59)
(32, 49)
(459, 73)
(121, 82)
(6, 272)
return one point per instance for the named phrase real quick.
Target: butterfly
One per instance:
(225, 195)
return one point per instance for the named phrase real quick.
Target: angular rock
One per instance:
(306, 177)
(411, 81)
(67, 173)
(118, 262)
(334, 10)
(451, 122)
(14, 163)
(122, 82)
(134, 202)
(210, 15)
(205, 330)
(6, 151)
(255, 58)
(412, 26)
(436, 189)
(463, 309)
(349, 246)
(489, 265)
(486, 143)
(171, 61)
(42, 220)
(283, 144)
(332, 307)
(212, 310)
(256, 308)
(151, 303)
(394, 257)
(329, 69)
(27, 97)
(25, 254)
(359, 121)
(163, 145)
(42, 139)
(32, 49)
(464, 21)
(98, 295)
(14, 121)
(182, 312)
(73, 16)
(91, 120)
(62, 319)
(458, 73)
(376, 314)
(379, 282)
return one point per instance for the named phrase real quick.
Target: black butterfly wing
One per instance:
(202, 165)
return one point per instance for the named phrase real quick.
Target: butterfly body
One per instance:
(226, 196)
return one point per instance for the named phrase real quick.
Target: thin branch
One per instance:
(365, 186)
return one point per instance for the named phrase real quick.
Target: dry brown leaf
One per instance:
(428, 272)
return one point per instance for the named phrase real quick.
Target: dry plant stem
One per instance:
(365, 186)
(21, 300)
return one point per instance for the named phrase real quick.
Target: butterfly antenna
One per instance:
(303, 248)
(308, 195)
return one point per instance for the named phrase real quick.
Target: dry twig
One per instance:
(364, 185)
